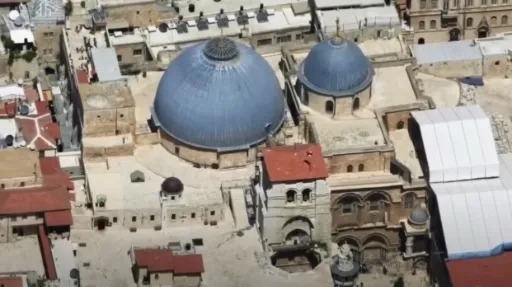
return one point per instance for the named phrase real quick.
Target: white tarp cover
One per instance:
(458, 142)
(476, 215)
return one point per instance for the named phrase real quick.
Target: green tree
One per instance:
(68, 8)
(399, 282)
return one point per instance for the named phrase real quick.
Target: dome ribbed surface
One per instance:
(219, 95)
(336, 67)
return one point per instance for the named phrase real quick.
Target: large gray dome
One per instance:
(219, 95)
(336, 67)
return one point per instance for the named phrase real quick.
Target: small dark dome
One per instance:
(172, 185)
(418, 215)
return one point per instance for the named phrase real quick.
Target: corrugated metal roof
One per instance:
(459, 143)
(106, 64)
(476, 215)
(446, 52)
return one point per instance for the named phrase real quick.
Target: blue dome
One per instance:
(219, 95)
(336, 67)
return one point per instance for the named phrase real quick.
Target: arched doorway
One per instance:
(354, 247)
(297, 236)
(454, 34)
(49, 71)
(329, 107)
(355, 105)
(101, 222)
(374, 249)
(400, 125)
(421, 41)
(483, 32)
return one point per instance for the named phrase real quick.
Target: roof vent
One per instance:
(13, 15)
(24, 109)
(221, 49)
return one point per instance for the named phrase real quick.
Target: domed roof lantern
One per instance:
(418, 216)
(172, 185)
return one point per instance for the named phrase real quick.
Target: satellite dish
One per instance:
(24, 110)
(13, 15)
(18, 22)
(9, 140)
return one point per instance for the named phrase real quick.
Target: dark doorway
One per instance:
(49, 71)
(454, 34)
(101, 223)
(329, 107)
(483, 32)
(421, 41)
(355, 105)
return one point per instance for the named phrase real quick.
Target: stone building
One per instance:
(440, 21)
(217, 103)
(107, 109)
(366, 144)
(292, 197)
(156, 267)
(48, 17)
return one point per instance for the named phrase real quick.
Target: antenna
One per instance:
(338, 34)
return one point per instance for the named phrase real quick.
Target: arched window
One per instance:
(290, 196)
(355, 105)
(494, 20)
(504, 20)
(469, 22)
(433, 25)
(421, 41)
(409, 200)
(329, 107)
(421, 25)
(360, 167)
(350, 168)
(348, 205)
(306, 195)
(400, 125)
(375, 201)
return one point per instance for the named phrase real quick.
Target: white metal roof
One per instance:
(459, 144)
(446, 52)
(106, 64)
(477, 214)
(356, 18)
(11, 92)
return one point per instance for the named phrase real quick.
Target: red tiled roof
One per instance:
(31, 93)
(482, 272)
(46, 250)
(82, 76)
(58, 218)
(163, 260)
(39, 131)
(42, 107)
(11, 282)
(34, 200)
(291, 163)
(188, 264)
(52, 173)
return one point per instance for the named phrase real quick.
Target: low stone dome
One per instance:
(172, 185)
(419, 216)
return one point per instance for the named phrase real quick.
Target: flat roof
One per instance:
(492, 46)
(99, 96)
(446, 52)
(278, 20)
(444, 92)
(354, 19)
(375, 47)
(143, 93)
(105, 64)
(347, 133)
(385, 90)
(18, 163)
(476, 215)
(112, 179)
(405, 152)
(202, 186)
(459, 143)
(230, 6)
